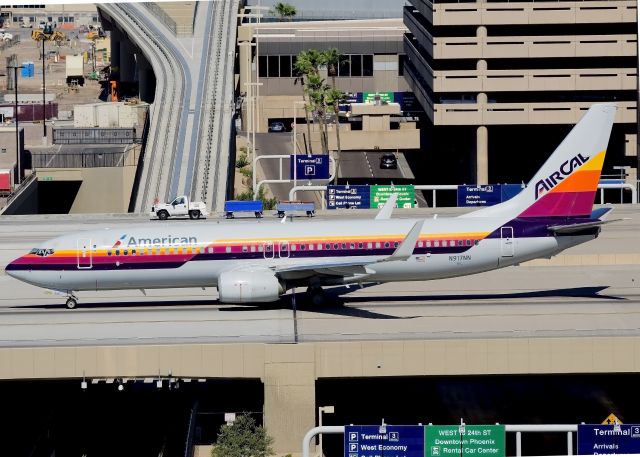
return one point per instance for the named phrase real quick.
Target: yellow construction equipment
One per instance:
(39, 35)
(94, 34)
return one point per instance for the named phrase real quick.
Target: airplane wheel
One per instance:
(316, 296)
(194, 214)
(71, 303)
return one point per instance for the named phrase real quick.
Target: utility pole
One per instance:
(46, 33)
(18, 178)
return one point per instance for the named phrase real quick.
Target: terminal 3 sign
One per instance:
(424, 441)
(365, 197)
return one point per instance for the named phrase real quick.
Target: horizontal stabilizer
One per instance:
(573, 228)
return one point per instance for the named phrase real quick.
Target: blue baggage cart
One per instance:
(242, 206)
(288, 207)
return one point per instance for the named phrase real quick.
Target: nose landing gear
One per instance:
(72, 302)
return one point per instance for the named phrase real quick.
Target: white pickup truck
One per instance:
(180, 207)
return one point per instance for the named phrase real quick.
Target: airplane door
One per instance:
(84, 254)
(267, 249)
(283, 249)
(506, 242)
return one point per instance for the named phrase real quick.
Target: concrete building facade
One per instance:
(499, 72)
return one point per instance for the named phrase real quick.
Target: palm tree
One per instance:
(285, 10)
(317, 92)
(334, 98)
(302, 68)
(332, 59)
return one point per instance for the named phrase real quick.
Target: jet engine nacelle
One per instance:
(248, 287)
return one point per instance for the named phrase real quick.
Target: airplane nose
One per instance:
(14, 270)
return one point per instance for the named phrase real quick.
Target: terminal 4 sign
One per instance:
(608, 439)
(387, 441)
(477, 440)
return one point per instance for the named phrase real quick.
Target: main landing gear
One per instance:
(72, 302)
(316, 296)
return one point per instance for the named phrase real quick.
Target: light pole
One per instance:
(46, 33)
(323, 409)
(18, 177)
(253, 107)
(295, 142)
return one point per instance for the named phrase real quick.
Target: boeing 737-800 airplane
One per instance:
(260, 261)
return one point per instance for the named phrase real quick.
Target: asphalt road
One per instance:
(354, 166)
(591, 289)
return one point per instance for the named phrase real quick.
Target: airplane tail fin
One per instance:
(567, 182)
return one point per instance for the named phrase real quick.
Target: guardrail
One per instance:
(518, 429)
(440, 187)
(85, 160)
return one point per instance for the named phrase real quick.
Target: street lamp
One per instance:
(295, 142)
(323, 409)
(46, 34)
(18, 177)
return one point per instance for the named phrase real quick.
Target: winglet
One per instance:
(405, 250)
(387, 208)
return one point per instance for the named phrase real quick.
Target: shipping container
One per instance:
(5, 181)
(74, 66)
(94, 136)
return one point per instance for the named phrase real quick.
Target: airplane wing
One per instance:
(387, 208)
(350, 267)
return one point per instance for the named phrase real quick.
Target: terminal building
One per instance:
(501, 83)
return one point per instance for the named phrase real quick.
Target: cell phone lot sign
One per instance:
(477, 441)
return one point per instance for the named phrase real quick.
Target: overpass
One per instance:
(569, 317)
(190, 117)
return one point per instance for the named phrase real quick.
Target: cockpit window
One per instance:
(41, 252)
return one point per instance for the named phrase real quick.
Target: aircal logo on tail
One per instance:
(545, 185)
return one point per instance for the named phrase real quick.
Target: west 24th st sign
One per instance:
(424, 441)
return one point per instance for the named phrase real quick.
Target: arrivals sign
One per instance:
(487, 195)
(310, 166)
(387, 441)
(380, 194)
(477, 440)
(608, 439)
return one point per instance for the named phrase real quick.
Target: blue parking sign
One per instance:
(310, 166)
(387, 441)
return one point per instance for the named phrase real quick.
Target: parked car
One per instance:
(276, 127)
(388, 160)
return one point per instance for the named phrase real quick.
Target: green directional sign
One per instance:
(477, 441)
(380, 194)
(370, 97)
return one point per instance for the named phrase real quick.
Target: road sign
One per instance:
(380, 194)
(477, 440)
(392, 441)
(348, 197)
(310, 166)
(370, 97)
(611, 419)
(608, 439)
(479, 195)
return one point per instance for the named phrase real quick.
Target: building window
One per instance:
(285, 66)
(367, 65)
(401, 58)
(273, 67)
(356, 65)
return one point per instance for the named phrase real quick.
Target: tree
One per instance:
(243, 438)
(334, 98)
(333, 58)
(317, 92)
(285, 10)
(307, 63)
